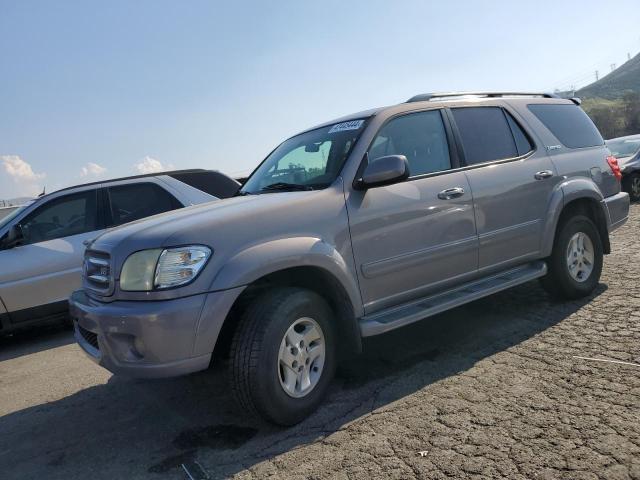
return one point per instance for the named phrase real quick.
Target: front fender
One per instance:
(567, 192)
(257, 261)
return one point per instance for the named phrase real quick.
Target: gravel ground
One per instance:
(505, 387)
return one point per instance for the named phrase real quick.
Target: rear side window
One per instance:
(523, 144)
(486, 134)
(139, 200)
(213, 183)
(569, 124)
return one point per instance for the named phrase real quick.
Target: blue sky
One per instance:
(92, 90)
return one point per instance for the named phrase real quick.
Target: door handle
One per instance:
(543, 174)
(450, 193)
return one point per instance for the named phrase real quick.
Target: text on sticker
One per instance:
(341, 127)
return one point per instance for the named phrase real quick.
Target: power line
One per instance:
(585, 77)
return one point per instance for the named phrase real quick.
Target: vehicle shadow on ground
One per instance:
(139, 429)
(35, 339)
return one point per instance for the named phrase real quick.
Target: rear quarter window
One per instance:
(569, 124)
(213, 183)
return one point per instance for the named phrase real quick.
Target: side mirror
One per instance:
(13, 237)
(384, 171)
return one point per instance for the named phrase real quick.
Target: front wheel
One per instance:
(283, 355)
(631, 184)
(575, 264)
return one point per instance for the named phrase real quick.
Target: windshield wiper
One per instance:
(283, 186)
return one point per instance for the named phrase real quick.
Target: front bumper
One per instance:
(618, 209)
(151, 339)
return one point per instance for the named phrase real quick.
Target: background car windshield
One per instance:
(5, 220)
(312, 159)
(624, 148)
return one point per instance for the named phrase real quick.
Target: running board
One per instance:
(395, 317)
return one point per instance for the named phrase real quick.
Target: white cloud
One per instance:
(26, 181)
(151, 165)
(92, 170)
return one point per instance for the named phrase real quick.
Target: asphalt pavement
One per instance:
(512, 386)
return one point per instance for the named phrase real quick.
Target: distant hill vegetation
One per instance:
(623, 79)
(613, 102)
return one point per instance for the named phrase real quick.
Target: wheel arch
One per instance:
(579, 197)
(306, 263)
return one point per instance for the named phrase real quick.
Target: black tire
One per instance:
(558, 282)
(631, 185)
(254, 366)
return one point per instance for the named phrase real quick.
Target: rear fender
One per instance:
(567, 192)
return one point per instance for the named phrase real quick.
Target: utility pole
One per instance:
(597, 76)
(613, 67)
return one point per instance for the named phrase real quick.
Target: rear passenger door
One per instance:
(133, 201)
(512, 182)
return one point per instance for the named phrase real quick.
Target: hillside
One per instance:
(622, 80)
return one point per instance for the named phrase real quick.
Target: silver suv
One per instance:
(42, 244)
(350, 229)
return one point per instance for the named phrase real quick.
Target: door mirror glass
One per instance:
(384, 171)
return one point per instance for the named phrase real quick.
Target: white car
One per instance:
(42, 244)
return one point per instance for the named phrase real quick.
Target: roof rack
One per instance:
(425, 97)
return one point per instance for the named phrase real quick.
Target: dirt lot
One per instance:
(495, 389)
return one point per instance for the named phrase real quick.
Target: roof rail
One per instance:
(132, 177)
(425, 97)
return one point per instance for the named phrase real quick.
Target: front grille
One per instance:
(90, 337)
(97, 272)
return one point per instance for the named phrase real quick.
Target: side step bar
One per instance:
(395, 317)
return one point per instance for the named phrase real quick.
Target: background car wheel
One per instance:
(575, 264)
(631, 184)
(283, 355)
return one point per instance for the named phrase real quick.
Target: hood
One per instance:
(186, 224)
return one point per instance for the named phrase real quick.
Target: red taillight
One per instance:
(615, 168)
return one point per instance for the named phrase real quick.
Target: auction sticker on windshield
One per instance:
(341, 127)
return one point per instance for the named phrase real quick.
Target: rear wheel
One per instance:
(283, 355)
(575, 264)
(631, 184)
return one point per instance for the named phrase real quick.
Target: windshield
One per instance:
(308, 161)
(13, 212)
(624, 148)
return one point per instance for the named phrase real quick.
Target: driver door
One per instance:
(38, 275)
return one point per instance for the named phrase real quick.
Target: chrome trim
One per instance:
(99, 278)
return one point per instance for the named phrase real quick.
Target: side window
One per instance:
(486, 135)
(568, 123)
(523, 144)
(139, 200)
(71, 215)
(214, 183)
(420, 137)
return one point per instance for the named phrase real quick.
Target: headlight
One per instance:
(159, 269)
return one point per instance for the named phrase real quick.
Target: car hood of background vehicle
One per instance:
(624, 161)
(168, 228)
